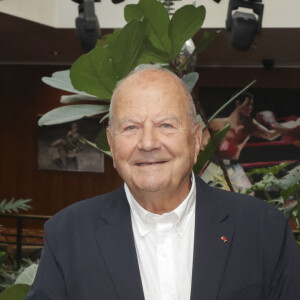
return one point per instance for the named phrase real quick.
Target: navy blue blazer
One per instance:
(89, 251)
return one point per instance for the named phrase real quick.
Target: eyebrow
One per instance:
(170, 117)
(123, 121)
(159, 120)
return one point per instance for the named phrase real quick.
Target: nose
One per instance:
(149, 139)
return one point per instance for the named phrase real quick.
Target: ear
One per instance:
(198, 139)
(110, 142)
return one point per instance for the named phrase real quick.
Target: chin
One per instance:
(150, 187)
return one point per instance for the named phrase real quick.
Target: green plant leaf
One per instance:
(15, 292)
(274, 169)
(184, 24)
(291, 178)
(14, 205)
(158, 21)
(153, 55)
(94, 74)
(101, 141)
(127, 49)
(230, 100)
(133, 12)
(28, 275)
(190, 80)
(108, 38)
(96, 147)
(205, 41)
(291, 190)
(68, 99)
(61, 80)
(209, 150)
(71, 113)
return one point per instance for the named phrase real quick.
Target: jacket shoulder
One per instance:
(88, 210)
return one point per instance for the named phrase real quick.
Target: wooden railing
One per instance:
(19, 234)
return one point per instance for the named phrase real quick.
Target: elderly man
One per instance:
(165, 235)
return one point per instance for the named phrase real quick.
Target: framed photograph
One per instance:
(264, 130)
(63, 148)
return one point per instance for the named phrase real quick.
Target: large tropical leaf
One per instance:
(28, 275)
(94, 73)
(184, 24)
(153, 55)
(190, 80)
(15, 292)
(157, 19)
(61, 80)
(67, 99)
(133, 12)
(210, 149)
(127, 48)
(71, 113)
(101, 141)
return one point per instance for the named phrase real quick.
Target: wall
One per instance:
(22, 97)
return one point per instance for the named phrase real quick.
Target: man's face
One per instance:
(151, 139)
(246, 108)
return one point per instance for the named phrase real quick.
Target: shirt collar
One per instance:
(180, 216)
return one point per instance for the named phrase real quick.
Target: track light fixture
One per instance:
(87, 25)
(243, 26)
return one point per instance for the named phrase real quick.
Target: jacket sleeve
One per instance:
(285, 282)
(49, 283)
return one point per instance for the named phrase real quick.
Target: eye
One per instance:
(131, 127)
(166, 125)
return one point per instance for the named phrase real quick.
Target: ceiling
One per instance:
(61, 14)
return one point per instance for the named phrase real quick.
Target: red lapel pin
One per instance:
(224, 239)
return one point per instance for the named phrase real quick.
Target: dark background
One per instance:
(29, 51)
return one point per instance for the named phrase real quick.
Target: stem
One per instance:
(230, 100)
(267, 195)
(220, 160)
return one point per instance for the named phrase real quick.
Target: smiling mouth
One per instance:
(150, 163)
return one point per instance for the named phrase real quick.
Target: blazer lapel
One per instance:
(116, 243)
(213, 236)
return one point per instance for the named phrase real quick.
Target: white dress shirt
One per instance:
(164, 245)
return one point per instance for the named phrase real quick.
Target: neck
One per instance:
(238, 118)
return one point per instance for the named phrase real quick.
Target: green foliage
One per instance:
(190, 80)
(101, 141)
(210, 149)
(184, 24)
(149, 37)
(27, 275)
(14, 205)
(288, 200)
(10, 274)
(270, 170)
(157, 19)
(15, 292)
(69, 113)
(93, 73)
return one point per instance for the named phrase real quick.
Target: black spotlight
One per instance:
(87, 25)
(243, 26)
